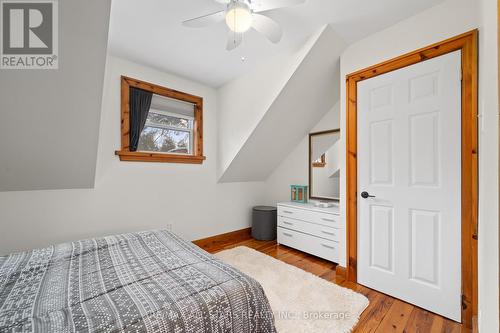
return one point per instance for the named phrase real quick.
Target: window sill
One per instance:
(132, 156)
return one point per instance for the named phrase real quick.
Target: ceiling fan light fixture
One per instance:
(239, 17)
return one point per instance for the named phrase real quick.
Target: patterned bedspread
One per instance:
(139, 282)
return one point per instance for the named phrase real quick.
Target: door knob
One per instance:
(366, 195)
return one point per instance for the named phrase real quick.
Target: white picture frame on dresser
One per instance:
(310, 229)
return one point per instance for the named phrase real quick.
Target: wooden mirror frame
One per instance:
(138, 156)
(311, 135)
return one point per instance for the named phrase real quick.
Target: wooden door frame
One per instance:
(467, 43)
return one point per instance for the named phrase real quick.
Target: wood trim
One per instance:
(467, 43)
(219, 241)
(310, 163)
(134, 156)
(126, 155)
(340, 271)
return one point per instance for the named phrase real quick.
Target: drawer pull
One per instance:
(328, 246)
(289, 223)
(287, 211)
(288, 235)
(328, 233)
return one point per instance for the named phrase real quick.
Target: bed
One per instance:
(150, 281)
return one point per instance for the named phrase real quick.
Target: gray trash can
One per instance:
(264, 223)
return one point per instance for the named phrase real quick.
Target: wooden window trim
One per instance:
(139, 156)
(468, 44)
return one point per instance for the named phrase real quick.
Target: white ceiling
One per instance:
(149, 32)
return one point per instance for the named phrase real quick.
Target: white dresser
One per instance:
(310, 229)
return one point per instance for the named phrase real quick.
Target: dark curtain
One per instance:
(140, 102)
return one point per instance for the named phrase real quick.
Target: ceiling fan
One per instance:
(241, 15)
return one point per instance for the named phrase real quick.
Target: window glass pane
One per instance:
(165, 141)
(161, 119)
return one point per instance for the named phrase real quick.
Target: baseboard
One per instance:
(218, 241)
(340, 271)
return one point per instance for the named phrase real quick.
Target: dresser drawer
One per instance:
(309, 228)
(319, 247)
(326, 219)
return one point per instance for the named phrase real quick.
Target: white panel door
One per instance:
(409, 159)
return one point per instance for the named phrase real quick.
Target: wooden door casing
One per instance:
(467, 44)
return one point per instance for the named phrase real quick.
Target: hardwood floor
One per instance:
(385, 314)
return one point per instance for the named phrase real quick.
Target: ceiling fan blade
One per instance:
(268, 27)
(234, 40)
(205, 20)
(264, 5)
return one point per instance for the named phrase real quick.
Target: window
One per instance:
(160, 124)
(168, 128)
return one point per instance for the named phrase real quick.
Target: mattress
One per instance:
(150, 281)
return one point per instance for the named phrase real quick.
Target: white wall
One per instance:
(132, 196)
(311, 89)
(488, 168)
(449, 19)
(245, 100)
(294, 168)
(44, 114)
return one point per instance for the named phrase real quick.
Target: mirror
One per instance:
(324, 165)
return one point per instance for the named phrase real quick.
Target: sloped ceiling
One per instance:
(49, 119)
(311, 90)
(200, 54)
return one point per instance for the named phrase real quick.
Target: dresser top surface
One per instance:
(309, 206)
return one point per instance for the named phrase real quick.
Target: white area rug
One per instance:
(301, 301)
